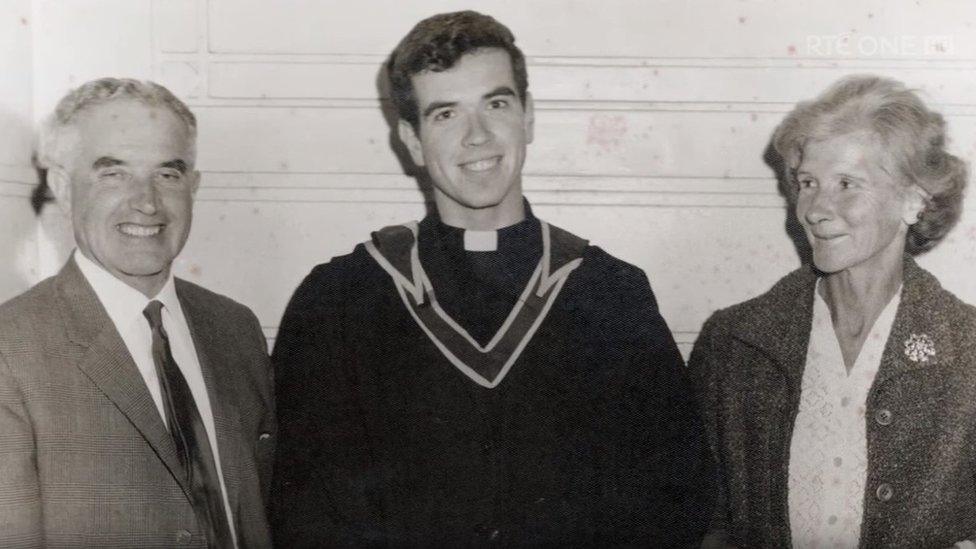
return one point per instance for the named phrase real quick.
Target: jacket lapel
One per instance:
(917, 326)
(104, 358)
(780, 323)
(213, 347)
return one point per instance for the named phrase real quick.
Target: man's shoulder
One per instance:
(342, 270)
(30, 323)
(596, 260)
(352, 276)
(603, 274)
(30, 308)
(609, 291)
(210, 300)
(352, 264)
(599, 260)
(227, 322)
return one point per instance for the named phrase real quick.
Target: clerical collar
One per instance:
(469, 240)
(480, 241)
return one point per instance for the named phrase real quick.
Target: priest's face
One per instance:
(471, 137)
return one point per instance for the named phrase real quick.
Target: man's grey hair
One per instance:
(53, 143)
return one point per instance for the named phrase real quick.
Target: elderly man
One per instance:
(135, 409)
(481, 377)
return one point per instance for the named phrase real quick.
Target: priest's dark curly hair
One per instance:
(437, 43)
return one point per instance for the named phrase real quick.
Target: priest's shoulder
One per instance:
(351, 271)
(610, 273)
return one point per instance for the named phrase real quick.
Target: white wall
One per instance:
(652, 119)
(17, 236)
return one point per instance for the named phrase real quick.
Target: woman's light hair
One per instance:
(55, 137)
(912, 137)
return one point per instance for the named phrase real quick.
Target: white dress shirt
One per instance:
(124, 306)
(828, 454)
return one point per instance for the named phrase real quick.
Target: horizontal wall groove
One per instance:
(527, 190)
(535, 202)
(590, 60)
(528, 174)
(558, 105)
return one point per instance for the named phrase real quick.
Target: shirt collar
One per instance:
(121, 301)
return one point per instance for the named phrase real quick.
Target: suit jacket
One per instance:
(85, 458)
(921, 415)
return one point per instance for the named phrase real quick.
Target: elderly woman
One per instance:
(841, 404)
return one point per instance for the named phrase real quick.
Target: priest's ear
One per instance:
(410, 138)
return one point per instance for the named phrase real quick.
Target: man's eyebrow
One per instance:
(500, 90)
(438, 105)
(178, 165)
(106, 162)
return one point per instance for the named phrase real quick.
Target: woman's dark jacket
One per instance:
(921, 415)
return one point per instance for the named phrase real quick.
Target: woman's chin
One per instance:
(827, 265)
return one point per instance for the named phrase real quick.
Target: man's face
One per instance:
(473, 132)
(129, 183)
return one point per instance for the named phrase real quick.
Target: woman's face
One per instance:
(854, 211)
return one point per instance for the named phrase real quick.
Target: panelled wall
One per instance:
(652, 118)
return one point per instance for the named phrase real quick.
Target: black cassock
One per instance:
(537, 398)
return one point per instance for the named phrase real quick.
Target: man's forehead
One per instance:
(123, 112)
(475, 72)
(133, 132)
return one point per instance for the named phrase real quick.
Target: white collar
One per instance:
(480, 241)
(121, 301)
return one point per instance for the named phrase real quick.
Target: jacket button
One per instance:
(183, 537)
(883, 417)
(884, 491)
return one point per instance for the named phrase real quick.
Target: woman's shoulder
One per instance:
(938, 306)
(776, 305)
(924, 288)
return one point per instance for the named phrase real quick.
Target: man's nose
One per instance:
(145, 196)
(477, 132)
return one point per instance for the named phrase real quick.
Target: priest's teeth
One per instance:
(482, 165)
(140, 230)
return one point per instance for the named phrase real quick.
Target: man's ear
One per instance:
(529, 109)
(410, 138)
(59, 182)
(194, 177)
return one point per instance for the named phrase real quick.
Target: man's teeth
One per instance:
(140, 230)
(482, 165)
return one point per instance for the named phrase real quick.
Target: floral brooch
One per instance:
(919, 348)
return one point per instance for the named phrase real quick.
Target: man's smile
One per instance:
(481, 165)
(137, 230)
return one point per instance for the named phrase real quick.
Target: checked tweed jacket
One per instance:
(85, 459)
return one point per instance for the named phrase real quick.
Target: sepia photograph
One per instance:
(447, 274)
